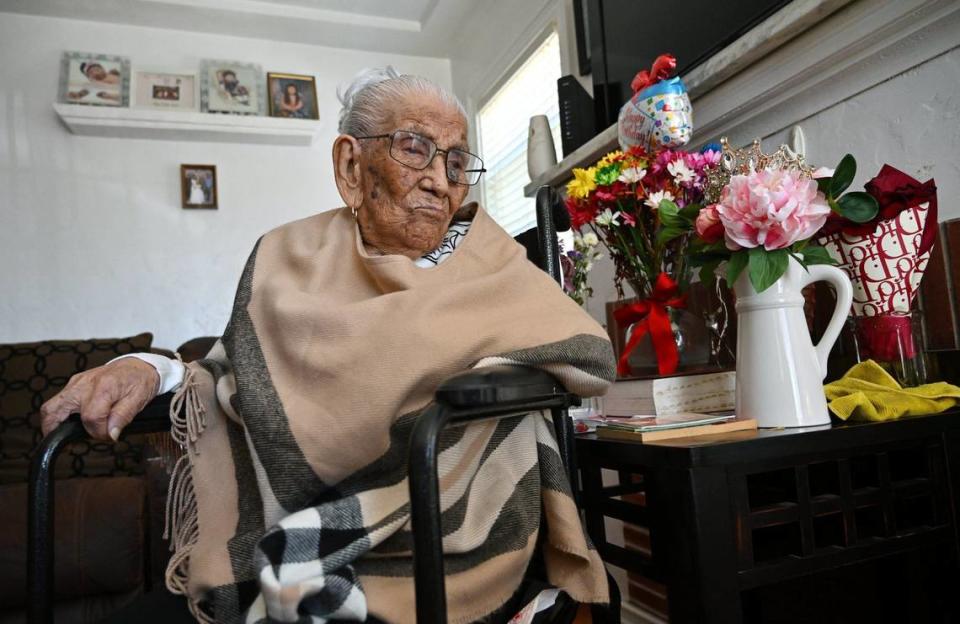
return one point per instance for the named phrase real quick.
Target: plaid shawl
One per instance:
(291, 501)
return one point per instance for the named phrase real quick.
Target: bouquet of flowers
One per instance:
(885, 258)
(764, 209)
(641, 207)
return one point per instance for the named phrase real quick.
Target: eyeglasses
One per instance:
(417, 151)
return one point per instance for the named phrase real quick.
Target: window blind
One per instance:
(503, 123)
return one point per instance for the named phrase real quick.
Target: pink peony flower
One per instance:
(771, 208)
(708, 224)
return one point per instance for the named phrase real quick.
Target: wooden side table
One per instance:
(730, 514)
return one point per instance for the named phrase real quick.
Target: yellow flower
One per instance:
(609, 158)
(582, 182)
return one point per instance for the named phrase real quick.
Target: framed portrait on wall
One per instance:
(292, 95)
(171, 91)
(94, 79)
(232, 87)
(198, 186)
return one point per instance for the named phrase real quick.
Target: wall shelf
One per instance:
(145, 123)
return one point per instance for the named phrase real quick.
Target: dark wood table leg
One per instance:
(693, 543)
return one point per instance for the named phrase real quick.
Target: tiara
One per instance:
(746, 160)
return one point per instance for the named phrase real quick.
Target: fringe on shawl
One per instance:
(188, 420)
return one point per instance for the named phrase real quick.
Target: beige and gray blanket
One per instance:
(291, 501)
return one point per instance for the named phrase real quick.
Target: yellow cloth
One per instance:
(867, 392)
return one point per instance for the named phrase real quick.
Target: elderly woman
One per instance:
(291, 500)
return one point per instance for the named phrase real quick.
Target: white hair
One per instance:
(367, 100)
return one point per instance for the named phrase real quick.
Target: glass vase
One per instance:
(895, 342)
(691, 335)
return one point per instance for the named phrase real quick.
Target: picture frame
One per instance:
(165, 90)
(293, 96)
(198, 186)
(232, 87)
(94, 79)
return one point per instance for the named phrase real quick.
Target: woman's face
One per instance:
(404, 208)
(291, 90)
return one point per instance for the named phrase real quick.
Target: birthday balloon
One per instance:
(657, 117)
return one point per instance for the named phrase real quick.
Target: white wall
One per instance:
(911, 122)
(93, 241)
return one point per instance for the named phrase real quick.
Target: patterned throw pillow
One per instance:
(31, 373)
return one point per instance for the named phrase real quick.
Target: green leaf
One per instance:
(667, 234)
(858, 206)
(815, 254)
(669, 214)
(708, 272)
(843, 175)
(736, 265)
(834, 206)
(766, 267)
(700, 258)
(823, 185)
(719, 247)
(689, 213)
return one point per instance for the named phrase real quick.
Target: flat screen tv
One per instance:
(625, 36)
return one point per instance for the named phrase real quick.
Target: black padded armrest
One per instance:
(493, 385)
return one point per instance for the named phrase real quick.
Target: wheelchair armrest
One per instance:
(477, 394)
(154, 417)
(503, 384)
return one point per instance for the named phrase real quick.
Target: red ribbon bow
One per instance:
(650, 315)
(662, 68)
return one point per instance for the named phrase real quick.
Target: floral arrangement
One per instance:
(641, 207)
(768, 210)
(885, 258)
(576, 264)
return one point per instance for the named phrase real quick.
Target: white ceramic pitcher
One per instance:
(779, 370)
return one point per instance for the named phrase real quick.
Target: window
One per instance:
(503, 124)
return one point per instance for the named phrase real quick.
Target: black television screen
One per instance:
(625, 36)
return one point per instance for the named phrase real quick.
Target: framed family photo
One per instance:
(231, 87)
(95, 79)
(292, 95)
(198, 186)
(171, 91)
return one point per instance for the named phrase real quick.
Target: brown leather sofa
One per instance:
(110, 497)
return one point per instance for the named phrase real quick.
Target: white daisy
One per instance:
(680, 171)
(607, 218)
(654, 199)
(632, 175)
(590, 239)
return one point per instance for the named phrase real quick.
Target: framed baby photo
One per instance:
(198, 186)
(232, 87)
(94, 79)
(165, 90)
(292, 95)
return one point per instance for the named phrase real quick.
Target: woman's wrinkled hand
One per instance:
(107, 398)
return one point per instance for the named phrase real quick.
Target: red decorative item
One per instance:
(661, 69)
(650, 315)
(885, 259)
(885, 338)
(895, 192)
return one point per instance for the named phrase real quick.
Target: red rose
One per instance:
(895, 191)
(708, 225)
